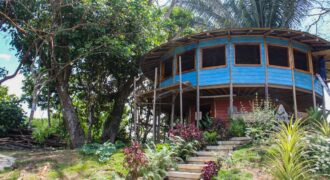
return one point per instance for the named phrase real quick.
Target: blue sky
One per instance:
(10, 62)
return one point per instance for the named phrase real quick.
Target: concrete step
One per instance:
(240, 139)
(231, 142)
(183, 175)
(191, 167)
(225, 148)
(201, 160)
(211, 153)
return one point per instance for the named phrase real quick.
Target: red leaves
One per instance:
(210, 170)
(188, 133)
(135, 158)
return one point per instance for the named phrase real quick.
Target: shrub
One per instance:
(261, 121)
(160, 147)
(135, 159)
(210, 170)
(183, 149)
(205, 123)
(41, 131)
(319, 153)
(286, 155)
(11, 116)
(102, 151)
(237, 127)
(158, 162)
(211, 137)
(188, 132)
(234, 174)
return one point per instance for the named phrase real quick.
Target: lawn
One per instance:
(61, 164)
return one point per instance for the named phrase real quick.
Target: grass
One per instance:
(234, 174)
(62, 164)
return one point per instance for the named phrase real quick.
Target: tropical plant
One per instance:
(237, 127)
(205, 123)
(187, 132)
(210, 137)
(210, 170)
(322, 127)
(102, 151)
(135, 159)
(158, 162)
(319, 153)
(249, 13)
(261, 121)
(183, 149)
(160, 147)
(286, 155)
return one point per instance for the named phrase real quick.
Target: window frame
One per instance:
(211, 47)
(294, 63)
(171, 58)
(248, 65)
(177, 62)
(277, 66)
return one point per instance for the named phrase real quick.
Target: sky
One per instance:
(10, 62)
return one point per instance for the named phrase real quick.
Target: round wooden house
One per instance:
(220, 72)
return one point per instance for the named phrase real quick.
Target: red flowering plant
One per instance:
(210, 170)
(188, 133)
(135, 159)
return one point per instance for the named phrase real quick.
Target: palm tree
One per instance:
(249, 13)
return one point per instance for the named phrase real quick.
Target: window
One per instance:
(215, 56)
(167, 68)
(247, 54)
(187, 61)
(300, 60)
(278, 56)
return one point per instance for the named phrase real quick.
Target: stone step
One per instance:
(201, 159)
(191, 167)
(231, 142)
(225, 148)
(240, 139)
(183, 175)
(211, 153)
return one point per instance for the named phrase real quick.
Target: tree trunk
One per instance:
(112, 123)
(48, 108)
(33, 105)
(90, 122)
(71, 120)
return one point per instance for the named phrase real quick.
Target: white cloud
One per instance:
(5, 57)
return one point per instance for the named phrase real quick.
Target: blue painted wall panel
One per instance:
(318, 87)
(213, 42)
(303, 80)
(166, 82)
(211, 77)
(301, 47)
(277, 41)
(189, 76)
(248, 75)
(279, 76)
(247, 39)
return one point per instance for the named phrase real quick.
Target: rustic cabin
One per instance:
(218, 73)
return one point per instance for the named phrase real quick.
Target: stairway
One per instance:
(192, 170)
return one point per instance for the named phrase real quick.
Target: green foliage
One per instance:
(319, 152)
(314, 115)
(237, 127)
(159, 147)
(322, 127)
(183, 149)
(11, 113)
(205, 123)
(286, 155)
(247, 155)
(102, 151)
(41, 131)
(234, 174)
(261, 121)
(210, 137)
(158, 162)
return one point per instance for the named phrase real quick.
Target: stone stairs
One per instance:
(192, 170)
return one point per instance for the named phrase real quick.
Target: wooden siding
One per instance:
(242, 74)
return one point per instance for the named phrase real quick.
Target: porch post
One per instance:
(266, 69)
(154, 105)
(293, 80)
(180, 79)
(198, 55)
(310, 60)
(172, 110)
(231, 89)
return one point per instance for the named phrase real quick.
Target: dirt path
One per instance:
(6, 162)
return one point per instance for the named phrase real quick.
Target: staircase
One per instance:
(192, 170)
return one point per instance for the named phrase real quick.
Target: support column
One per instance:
(198, 55)
(310, 60)
(154, 105)
(172, 110)
(180, 77)
(231, 88)
(266, 70)
(291, 57)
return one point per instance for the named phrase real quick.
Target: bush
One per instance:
(237, 127)
(135, 159)
(160, 147)
(210, 170)
(319, 153)
(286, 155)
(188, 133)
(205, 123)
(159, 160)
(210, 137)
(41, 131)
(183, 149)
(11, 116)
(234, 174)
(102, 151)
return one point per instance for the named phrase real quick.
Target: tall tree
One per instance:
(249, 13)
